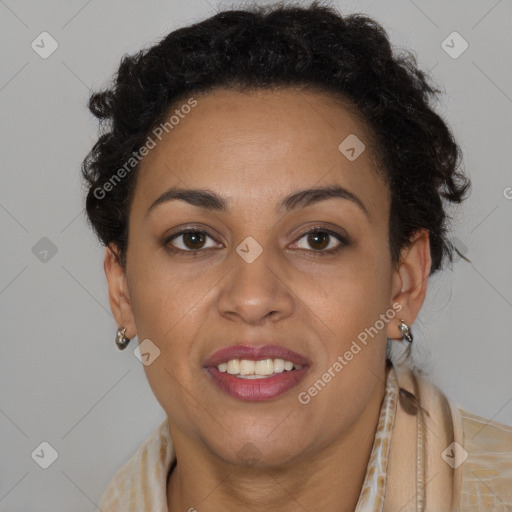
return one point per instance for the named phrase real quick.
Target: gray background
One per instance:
(62, 378)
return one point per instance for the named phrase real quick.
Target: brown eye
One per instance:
(190, 240)
(193, 239)
(318, 240)
(323, 241)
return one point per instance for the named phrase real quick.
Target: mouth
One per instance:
(248, 369)
(256, 373)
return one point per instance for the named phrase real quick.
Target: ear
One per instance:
(410, 281)
(118, 293)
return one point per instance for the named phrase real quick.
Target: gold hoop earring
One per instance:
(121, 340)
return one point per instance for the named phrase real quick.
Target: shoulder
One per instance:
(487, 469)
(140, 484)
(491, 433)
(478, 449)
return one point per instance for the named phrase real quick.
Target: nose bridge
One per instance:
(254, 288)
(253, 265)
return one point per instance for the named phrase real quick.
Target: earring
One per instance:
(121, 340)
(406, 332)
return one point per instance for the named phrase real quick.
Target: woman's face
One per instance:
(254, 277)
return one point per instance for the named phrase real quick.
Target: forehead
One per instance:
(261, 144)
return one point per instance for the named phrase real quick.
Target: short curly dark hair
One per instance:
(271, 46)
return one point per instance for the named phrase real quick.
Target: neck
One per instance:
(329, 480)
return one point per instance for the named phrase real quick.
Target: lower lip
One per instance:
(257, 390)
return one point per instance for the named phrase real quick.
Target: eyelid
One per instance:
(325, 227)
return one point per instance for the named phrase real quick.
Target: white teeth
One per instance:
(265, 367)
(233, 366)
(248, 369)
(278, 365)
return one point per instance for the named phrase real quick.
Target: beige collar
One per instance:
(433, 486)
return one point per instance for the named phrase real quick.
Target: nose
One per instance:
(256, 292)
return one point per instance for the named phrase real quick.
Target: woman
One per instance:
(271, 187)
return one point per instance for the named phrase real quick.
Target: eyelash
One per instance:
(344, 242)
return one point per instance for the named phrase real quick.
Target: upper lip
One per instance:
(255, 353)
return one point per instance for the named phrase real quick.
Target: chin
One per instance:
(261, 449)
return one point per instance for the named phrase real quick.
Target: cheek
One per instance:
(351, 339)
(346, 310)
(168, 308)
(166, 299)
(348, 296)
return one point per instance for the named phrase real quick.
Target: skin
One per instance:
(254, 149)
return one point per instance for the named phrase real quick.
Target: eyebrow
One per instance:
(209, 200)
